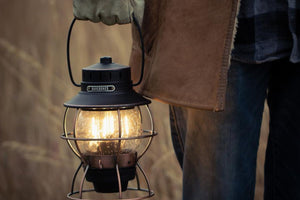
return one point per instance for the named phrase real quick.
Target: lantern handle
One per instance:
(68, 53)
(136, 23)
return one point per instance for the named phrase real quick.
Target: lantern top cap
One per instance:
(106, 60)
(106, 85)
(105, 64)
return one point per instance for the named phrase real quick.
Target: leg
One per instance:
(178, 130)
(282, 166)
(220, 148)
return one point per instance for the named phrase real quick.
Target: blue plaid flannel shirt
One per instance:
(268, 30)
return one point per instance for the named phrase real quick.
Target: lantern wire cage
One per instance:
(70, 136)
(148, 192)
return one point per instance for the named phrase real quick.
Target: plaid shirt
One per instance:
(267, 30)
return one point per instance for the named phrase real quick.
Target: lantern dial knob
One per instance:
(105, 60)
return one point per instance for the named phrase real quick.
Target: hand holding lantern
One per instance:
(109, 12)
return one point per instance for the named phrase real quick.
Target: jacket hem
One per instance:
(176, 102)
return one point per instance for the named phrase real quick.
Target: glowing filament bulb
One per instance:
(104, 124)
(108, 126)
(95, 134)
(125, 128)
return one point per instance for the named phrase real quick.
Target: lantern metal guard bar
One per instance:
(108, 129)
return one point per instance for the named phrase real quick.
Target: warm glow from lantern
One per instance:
(105, 124)
(95, 134)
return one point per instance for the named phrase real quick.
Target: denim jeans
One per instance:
(217, 150)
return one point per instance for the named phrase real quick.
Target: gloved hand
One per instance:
(109, 11)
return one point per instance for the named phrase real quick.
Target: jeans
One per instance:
(217, 150)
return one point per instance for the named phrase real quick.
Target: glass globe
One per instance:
(104, 124)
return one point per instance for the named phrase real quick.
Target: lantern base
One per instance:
(106, 180)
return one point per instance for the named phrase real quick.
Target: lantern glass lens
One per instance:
(104, 124)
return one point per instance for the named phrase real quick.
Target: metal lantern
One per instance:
(107, 133)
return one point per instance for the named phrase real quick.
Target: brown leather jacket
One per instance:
(188, 45)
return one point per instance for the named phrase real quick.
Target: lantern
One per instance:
(108, 133)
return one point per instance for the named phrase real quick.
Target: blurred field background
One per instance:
(34, 162)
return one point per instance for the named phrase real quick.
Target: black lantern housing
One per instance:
(106, 85)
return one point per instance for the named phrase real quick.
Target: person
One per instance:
(189, 48)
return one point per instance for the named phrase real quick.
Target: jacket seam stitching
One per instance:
(226, 57)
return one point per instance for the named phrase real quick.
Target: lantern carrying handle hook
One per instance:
(136, 23)
(68, 53)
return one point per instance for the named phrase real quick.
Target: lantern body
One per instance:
(107, 132)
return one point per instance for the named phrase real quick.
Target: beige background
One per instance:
(34, 162)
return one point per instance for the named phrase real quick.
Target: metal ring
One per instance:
(149, 194)
(63, 136)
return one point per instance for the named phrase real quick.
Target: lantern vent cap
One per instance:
(105, 64)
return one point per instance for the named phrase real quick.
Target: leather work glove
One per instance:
(109, 11)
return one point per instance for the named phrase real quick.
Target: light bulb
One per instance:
(104, 124)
